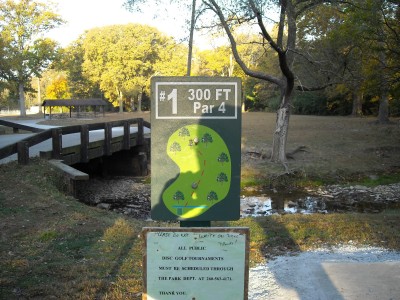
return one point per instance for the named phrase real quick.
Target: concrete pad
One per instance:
(345, 272)
(367, 281)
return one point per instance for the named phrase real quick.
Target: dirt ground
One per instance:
(334, 146)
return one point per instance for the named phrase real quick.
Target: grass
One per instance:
(337, 150)
(383, 179)
(53, 247)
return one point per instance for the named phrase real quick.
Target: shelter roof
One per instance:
(75, 102)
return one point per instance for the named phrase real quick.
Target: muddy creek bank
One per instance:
(131, 196)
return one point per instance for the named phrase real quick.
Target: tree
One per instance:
(133, 5)
(356, 47)
(381, 31)
(58, 88)
(332, 53)
(216, 62)
(179, 196)
(70, 60)
(207, 138)
(24, 51)
(175, 147)
(212, 196)
(122, 59)
(223, 158)
(184, 132)
(222, 177)
(232, 14)
(250, 10)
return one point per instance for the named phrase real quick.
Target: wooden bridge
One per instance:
(70, 145)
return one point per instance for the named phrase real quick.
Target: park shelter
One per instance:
(80, 105)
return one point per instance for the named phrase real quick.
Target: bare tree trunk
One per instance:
(280, 136)
(121, 103)
(231, 66)
(383, 115)
(21, 100)
(192, 21)
(140, 101)
(357, 103)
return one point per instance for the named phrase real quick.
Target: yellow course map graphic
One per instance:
(205, 171)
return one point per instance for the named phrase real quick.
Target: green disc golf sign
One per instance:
(195, 148)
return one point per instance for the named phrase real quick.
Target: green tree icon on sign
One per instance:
(175, 147)
(207, 138)
(212, 196)
(179, 196)
(184, 132)
(223, 158)
(222, 178)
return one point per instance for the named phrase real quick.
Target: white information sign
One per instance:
(196, 263)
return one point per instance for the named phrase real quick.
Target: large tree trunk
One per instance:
(192, 21)
(280, 135)
(140, 96)
(21, 100)
(357, 103)
(383, 115)
(121, 102)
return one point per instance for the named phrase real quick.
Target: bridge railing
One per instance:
(21, 148)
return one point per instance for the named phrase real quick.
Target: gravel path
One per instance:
(344, 272)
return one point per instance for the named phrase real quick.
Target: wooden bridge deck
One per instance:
(81, 143)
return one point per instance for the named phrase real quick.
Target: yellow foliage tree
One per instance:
(58, 89)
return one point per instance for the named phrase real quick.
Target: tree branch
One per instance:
(256, 74)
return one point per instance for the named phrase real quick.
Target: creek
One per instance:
(131, 196)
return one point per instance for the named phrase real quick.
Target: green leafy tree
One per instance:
(25, 53)
(71, 61)
(216, 62)
(184, 132)
(122, 59)
(207, 138)
(212, 196)
(191, 10)
(222, 177)
(353, 44)
(377, 24)
(178, 196)
(175, 147)
(223, 158)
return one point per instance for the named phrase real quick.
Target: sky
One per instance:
(81, 15)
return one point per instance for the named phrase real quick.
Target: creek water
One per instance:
(131, 196)
(300, 202)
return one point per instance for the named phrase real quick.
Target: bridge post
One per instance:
(126, 138)
(84, 143)
(23, 152)
(57, 143)
(140, 135)
(107, 138)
